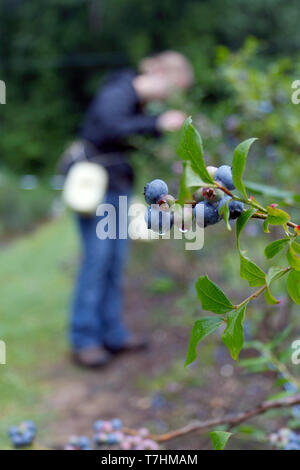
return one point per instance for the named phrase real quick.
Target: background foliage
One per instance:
(53, 55)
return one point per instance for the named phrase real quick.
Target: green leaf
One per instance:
(277, 216)
(233, 335)
(226, 214)
(293, 286)
(212, 297)
(241, 223)
(202, 328)
(275, 273)
(251, 272)
(219, 439)
(280, 382)
(192, 179)
(269, 297)
(266, 226)
(254, 361)
(293, 258)
(184, 193)
(190, 148)
(238, 164)
(272, 192)
(275, 247)
(296, 247)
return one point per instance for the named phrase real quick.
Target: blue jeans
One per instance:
(98, 301)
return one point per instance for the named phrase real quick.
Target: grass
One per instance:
(35, 280)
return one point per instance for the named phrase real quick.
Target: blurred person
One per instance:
(171, 64)
(97, 329)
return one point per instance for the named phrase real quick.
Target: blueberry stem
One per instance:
(263, 214)
(252, 296)
(258, 292)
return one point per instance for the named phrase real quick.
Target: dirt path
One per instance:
(150, 389)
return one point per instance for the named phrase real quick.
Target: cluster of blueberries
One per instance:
(106, 433)
(112, 433)
(22, 435)
(285, 439)
(163, 212)
(78, 443)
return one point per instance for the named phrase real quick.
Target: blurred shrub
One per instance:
(53, 56)
(258, 103)
(21, 209)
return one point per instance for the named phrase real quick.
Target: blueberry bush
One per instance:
(222, 195)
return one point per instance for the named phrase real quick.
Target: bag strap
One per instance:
(105, 160)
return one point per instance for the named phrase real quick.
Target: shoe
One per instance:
(91, 358)
(133, 344)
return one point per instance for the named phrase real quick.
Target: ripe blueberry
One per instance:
(224, 175)
(117, 424)
(98, 425)
(112, 439)
(183, 217)
(22, 435)
(235, 207)
(78, 443)
(211, 214)
(154, 191)
(157, 220)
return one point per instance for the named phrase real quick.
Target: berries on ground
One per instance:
(117, 424)
(155, 190)
(100, 438)
(98, 425)
(78, 443)
(112, 439)
(22, 435)
(224, 175)
(285, 439)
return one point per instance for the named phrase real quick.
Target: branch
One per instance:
(259, 215)
(231, 419)
(264, 216)
(253, 296)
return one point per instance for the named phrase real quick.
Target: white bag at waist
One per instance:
(85, 187)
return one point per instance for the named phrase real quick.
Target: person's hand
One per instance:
(171, 120)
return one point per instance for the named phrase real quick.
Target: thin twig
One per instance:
(252, 296)
(258, 215)
(231, 419)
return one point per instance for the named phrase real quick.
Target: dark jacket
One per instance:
(114, 115)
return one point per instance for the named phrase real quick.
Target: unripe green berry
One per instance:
(167, 199)
(212, 194)
(198, 195)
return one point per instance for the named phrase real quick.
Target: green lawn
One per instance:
(35, 281)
